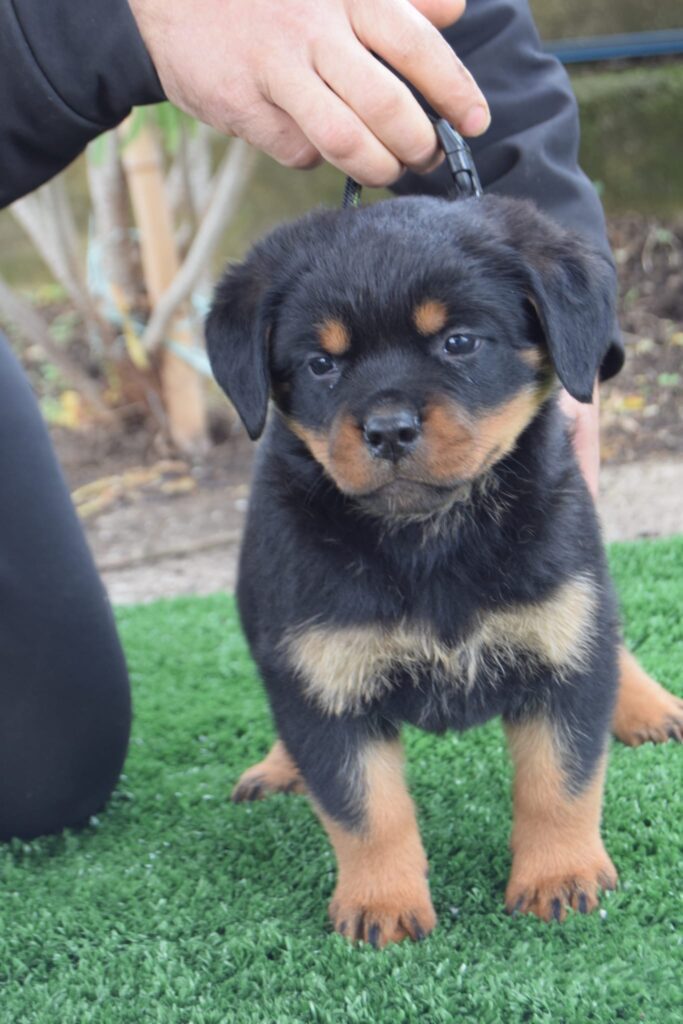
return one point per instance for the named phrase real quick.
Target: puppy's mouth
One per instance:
(423, 474)
(404, 497)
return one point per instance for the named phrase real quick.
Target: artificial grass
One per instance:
(179, 907)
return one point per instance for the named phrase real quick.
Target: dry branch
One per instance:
(182, 394)
(231, 180)
(35, 330)
(109, 196)
(47, 218)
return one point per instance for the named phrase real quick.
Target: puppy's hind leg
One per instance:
(645, 710)
(277, 773)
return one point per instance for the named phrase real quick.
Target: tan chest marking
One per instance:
(345, 669)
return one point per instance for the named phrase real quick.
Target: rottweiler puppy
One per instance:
(420, 545)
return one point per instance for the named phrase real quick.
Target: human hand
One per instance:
(585, 428)
(296, 78)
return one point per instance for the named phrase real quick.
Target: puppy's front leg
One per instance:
(355, 780)
(558, 856)
(382, 893)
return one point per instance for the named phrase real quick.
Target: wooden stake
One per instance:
(181, 386)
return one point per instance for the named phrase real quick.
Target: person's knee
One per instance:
(61, 762)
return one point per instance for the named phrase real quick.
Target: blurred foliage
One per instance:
(631, 136)
(556, 19)
(631, 140)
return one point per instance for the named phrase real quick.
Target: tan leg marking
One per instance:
(382, 893)
(277, 773)
(645, 710)
(558, 859)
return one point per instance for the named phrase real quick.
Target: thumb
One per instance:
(441, 13)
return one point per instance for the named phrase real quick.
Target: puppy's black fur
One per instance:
(420, 544)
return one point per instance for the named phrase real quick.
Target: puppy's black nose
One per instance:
(391, 433)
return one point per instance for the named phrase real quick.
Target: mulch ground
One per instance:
(642, 414)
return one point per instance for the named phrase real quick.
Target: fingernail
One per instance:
(476, 120)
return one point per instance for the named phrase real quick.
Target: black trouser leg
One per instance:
(64, 693)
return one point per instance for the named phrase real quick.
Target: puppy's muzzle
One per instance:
(392, 433)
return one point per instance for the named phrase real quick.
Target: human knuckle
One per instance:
(423, 154)
(302, 160)
(340, 140)
(386, 105)
(381, 173)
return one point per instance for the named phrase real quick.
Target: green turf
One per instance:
(178, 907)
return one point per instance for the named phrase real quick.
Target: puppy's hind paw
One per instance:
(277, 773)
(645, 711)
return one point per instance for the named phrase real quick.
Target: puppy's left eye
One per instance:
(461, 344)
(321, 365)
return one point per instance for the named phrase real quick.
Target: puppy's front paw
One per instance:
(549, 889)
(379, 917)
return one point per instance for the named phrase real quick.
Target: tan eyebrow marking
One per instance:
(334, 337)
(430, 316)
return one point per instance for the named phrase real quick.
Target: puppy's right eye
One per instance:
(321, 365)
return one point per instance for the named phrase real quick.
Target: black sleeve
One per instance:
(69, 70)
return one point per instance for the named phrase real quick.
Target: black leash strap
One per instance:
(465, 180)
(352, 191)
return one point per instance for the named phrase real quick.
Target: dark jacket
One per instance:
(69, 70)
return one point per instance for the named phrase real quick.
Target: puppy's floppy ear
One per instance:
(237, 341)
(244, 311)
(572, 288)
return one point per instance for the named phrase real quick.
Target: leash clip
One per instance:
(458, 159)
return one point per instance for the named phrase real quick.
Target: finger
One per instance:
(382, 102)
(585, 432)
(274, 132)
(409, 43)
(441, 13)
(333, 128)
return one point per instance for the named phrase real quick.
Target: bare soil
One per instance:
(151, 545)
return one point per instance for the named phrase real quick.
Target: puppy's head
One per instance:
(409, 344)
